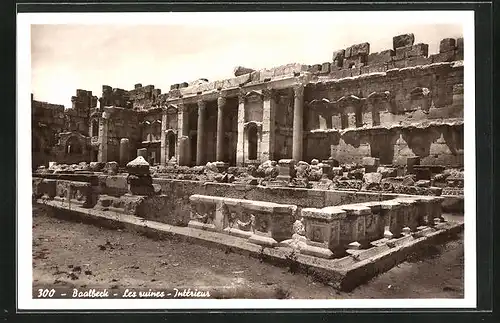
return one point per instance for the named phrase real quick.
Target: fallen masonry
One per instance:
(342, 238)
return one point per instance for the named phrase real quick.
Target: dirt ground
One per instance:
(77, 255)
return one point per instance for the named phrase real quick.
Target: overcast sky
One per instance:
(69, 57)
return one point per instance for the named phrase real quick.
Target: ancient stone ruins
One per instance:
(341, 168)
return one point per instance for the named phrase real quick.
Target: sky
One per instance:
(66, 57)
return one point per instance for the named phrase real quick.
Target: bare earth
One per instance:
(76, 255)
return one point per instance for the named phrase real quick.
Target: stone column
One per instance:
(200, 143)
(219, 153)
(268, 126)
(240, 147)
(103, 138)
(298, 122)
(183, 135)
(163, 145)
(124, 151)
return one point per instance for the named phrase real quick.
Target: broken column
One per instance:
(298, 122)
(139, 179)
(124, 151)
(103, 137)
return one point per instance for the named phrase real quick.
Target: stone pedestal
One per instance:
(353, 228)
(323, 231)
(139, 179)
(124, 151)
(286, 173)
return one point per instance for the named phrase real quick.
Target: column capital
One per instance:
(221, 101)
(298, 90)
(378, 97)
(268, 94)
(183, 107)
(201, 104)
(241, 97)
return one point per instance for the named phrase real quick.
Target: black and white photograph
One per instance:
(198, 160)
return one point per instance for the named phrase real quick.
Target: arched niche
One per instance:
(94, 126)
(73, 146)
(252, 140)
(170, 140)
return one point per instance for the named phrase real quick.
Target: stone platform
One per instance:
(343, 270)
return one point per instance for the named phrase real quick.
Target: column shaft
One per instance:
(200, 143)
(219, 153)
(183, 136)
(268, 126)
(298, 123)
(163, 145)
(240, 148)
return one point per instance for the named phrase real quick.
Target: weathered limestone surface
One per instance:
(262, 223)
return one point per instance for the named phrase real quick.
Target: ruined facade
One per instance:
(394, 104)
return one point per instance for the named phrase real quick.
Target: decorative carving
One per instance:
(221, 101)
(172, 109)
(202, 213)
(253, 96)
(317, 234)
(270, 94)
(241, 98)
(201, 105)
(298, 90)
(378, 97)
(261, 223)
(183, 107)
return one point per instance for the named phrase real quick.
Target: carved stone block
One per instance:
(322, 230)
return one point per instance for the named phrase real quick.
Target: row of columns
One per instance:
(267, 128)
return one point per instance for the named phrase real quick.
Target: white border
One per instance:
(24, 207)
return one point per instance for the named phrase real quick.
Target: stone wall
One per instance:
(177, 205)
(357, 59)
(140, 98)
(119, 123)
(437, 143)
(54, 127)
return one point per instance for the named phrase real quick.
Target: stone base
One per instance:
(238, 233)
(317, 251)
(201, 226)
(344, 273)
(262, 240)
